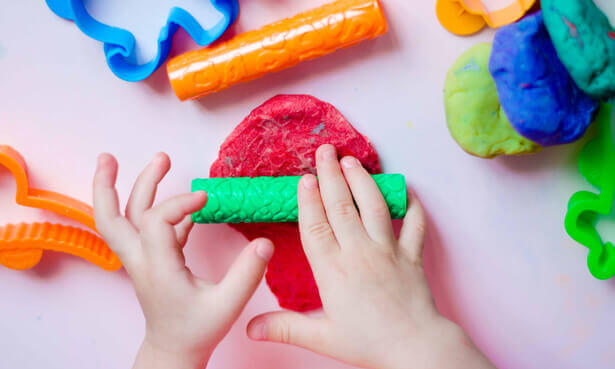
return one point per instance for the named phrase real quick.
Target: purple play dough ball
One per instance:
(539, 97)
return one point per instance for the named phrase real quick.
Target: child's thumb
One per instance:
(245, 274)
(290, 328)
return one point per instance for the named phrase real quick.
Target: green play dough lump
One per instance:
(473, 112)
(585, 42)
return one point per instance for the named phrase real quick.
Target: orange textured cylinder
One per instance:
(275, 47)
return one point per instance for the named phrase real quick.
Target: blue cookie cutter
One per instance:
(119, 44)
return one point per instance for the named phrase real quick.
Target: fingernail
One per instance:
(157, 158)
(350, 162)
(102, 158)
(328, 153)
(201, 194)
(264, 250)
(309, 181)
(257, 331)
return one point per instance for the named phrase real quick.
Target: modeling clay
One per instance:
(464, 17)
(540, 99)
(279, 138)
(275, 47)
(597, 165)
(21, 246)
(473, 112)
(585, 42)
(120, 45)
(274, 199)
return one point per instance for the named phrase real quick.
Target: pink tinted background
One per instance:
(497, 256)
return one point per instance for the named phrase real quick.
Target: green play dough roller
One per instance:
(274, 199)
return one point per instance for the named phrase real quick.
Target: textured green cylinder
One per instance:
(274, 199)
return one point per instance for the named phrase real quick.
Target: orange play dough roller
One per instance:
(22, 245)
(465, 17)
(275, 47)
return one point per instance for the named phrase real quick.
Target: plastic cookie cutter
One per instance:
(274, 199)
(597, 165)
(465, 17)
(119, 44)
(22, 245)
(276, 46)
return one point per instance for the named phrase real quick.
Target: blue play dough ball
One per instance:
(539, 97)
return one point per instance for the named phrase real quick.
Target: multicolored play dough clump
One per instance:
(279, 138)
(473, 112)
(540, 99)
(585, 42)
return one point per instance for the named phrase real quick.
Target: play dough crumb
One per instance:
(474, 116)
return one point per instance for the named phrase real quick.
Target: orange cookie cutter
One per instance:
(22, 245)
(465, 17)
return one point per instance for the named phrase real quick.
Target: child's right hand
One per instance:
(378, 309)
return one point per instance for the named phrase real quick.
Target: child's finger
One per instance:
(412, 234)
(316, 234)
(144, 190)
(339, 205)
(158, 228)
(372, 206)
(105, 196)
(115, 229)
(172, 211)
(182, 230)
(244, 276)
(291, 328)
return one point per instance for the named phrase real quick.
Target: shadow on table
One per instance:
(158, 82)
(278, 82)
(285, 80)
(52, 263)
(437, 265)
(562, 156)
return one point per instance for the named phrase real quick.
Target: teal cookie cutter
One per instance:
(597, 165)
(119, 44)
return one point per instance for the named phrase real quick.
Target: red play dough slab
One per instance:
(279, 138)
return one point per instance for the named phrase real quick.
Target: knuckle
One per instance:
(149, 220)
(282, 333)
(343, 208)
(149, 216)
(420, 228)
(414, 261)
(319, 230)
(380, 210)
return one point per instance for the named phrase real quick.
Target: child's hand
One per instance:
(185, 316)
(378, 309)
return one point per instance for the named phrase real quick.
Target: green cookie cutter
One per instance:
(597, 165)
(274, 199)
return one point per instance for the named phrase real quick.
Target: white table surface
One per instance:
(497, 256)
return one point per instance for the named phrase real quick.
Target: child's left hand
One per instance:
(185, 316)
